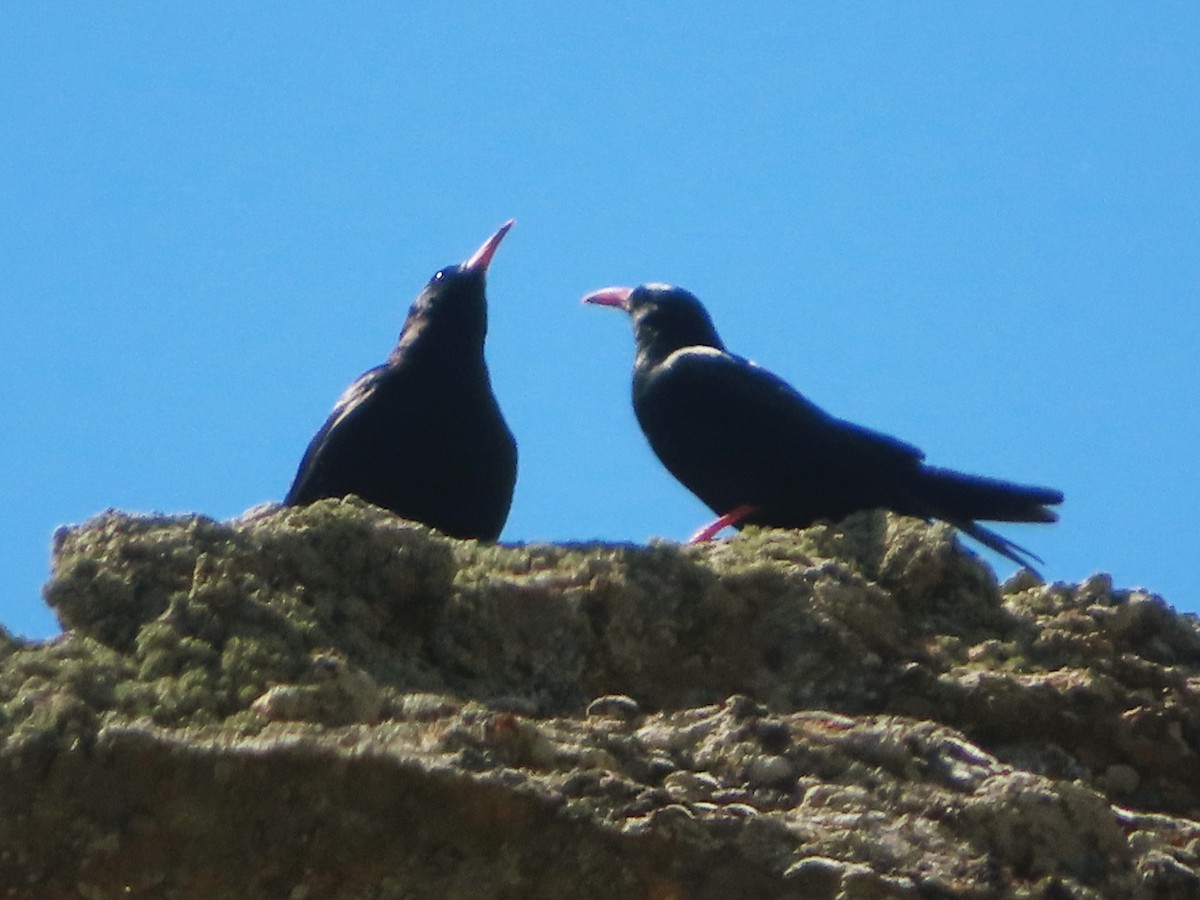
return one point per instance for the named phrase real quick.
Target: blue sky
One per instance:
(974, 227)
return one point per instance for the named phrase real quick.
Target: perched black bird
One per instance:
(422, 434)
(757, 451)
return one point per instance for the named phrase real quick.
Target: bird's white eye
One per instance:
(438, 276)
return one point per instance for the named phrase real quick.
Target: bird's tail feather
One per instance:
(999, 543)
(961, 498)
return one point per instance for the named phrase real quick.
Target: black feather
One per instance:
(737, 435)
(422, 435)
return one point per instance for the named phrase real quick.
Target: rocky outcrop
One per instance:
(332, 702)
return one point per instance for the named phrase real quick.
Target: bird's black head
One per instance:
(452, 306)
(665, 319)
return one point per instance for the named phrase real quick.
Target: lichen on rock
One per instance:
(330, 701)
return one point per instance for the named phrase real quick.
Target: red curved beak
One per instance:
(482, 257)
(610, 296)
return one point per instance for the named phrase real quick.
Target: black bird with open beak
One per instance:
(422, 434)
(757, 451)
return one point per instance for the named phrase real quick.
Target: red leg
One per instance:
(730, 518)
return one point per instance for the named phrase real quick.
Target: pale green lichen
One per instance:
(335, 702)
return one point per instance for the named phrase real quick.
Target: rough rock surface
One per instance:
(332, 702)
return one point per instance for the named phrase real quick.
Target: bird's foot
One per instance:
(730, 518)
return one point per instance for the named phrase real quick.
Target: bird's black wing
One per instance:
(757, 399)
(735, 434)
(352, 400)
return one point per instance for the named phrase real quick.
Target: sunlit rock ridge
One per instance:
(332, 702)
